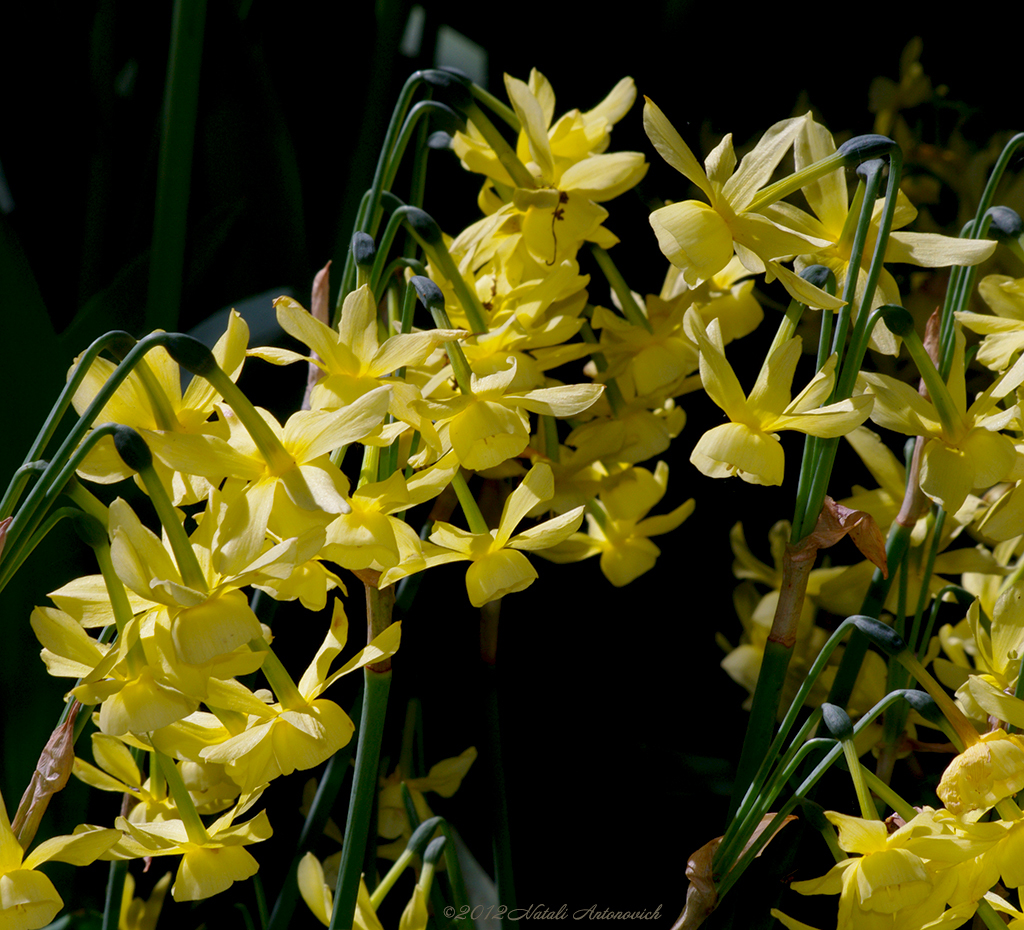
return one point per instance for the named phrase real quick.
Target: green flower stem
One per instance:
(453, 868)
(163, 412)
(548, 428)
(731, 851)
(501, 110)
(885, 792)
(501, 830)
(630, 308)
(370, 211)
(87, 501)
(21, 534)
(851, 365)
(611, 386)
(990, 916)
(58, 472)
(961, 279)
(867, 806)
(872, 183)
(110, 340)
(115, 892)
(937, 390)
(811, 493)
(470, 508)
(778, 651)
(194, 826)
(177, 137)
(441, 258)
(277, 675)
(119, 603)
(787, 328)
(419, 841)
(368, 471)
(327, 792)
(733, 873)
(414, 121)
(364, 790)
(898, 676)
(394, 270)
(773, 753)
(918, 638)
(793, 182)
(517, 171)
(184, 554)
(377, 275)
(269, 446)
(960, 724)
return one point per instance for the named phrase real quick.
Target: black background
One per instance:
(619, 725)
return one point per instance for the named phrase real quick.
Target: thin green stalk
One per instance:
(370, 212)
(181, 102)
(886, 793)
(57, 473)
(809, 508)
(611, 387)
(869, 193)
(328, 788)
(364, 788)
(796, 705)
(470, 508)
(45, 434)
(630, 308)
(22, 533)
(506, 154)
(733, 873)
(499, 802)
(115, 892)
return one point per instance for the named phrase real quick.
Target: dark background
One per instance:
(620, 729)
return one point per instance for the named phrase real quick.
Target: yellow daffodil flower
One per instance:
(498, 564)
(28, 899)
(983, 774)
(748, 445)
(829, 199)
(318, 893)
(964, 448)
(301, 730)
(369, 536)
(137, 914)
(888, 886)
(701, 238)
(209, 864)
(1003, 331)
(488, 425)
(619, 529)
(444, 778)
(571, 171)
(158, 404)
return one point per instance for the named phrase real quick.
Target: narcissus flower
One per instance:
(28, 898)
(209, 864)
(488, 425)
(748, 446)
(888, 886)
(983, 774)
(1003, 329)
(829, 199)
(498, 564)
(302, 729)
(964, 448)
(566, 161)
(619, 528)
(700, 238)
